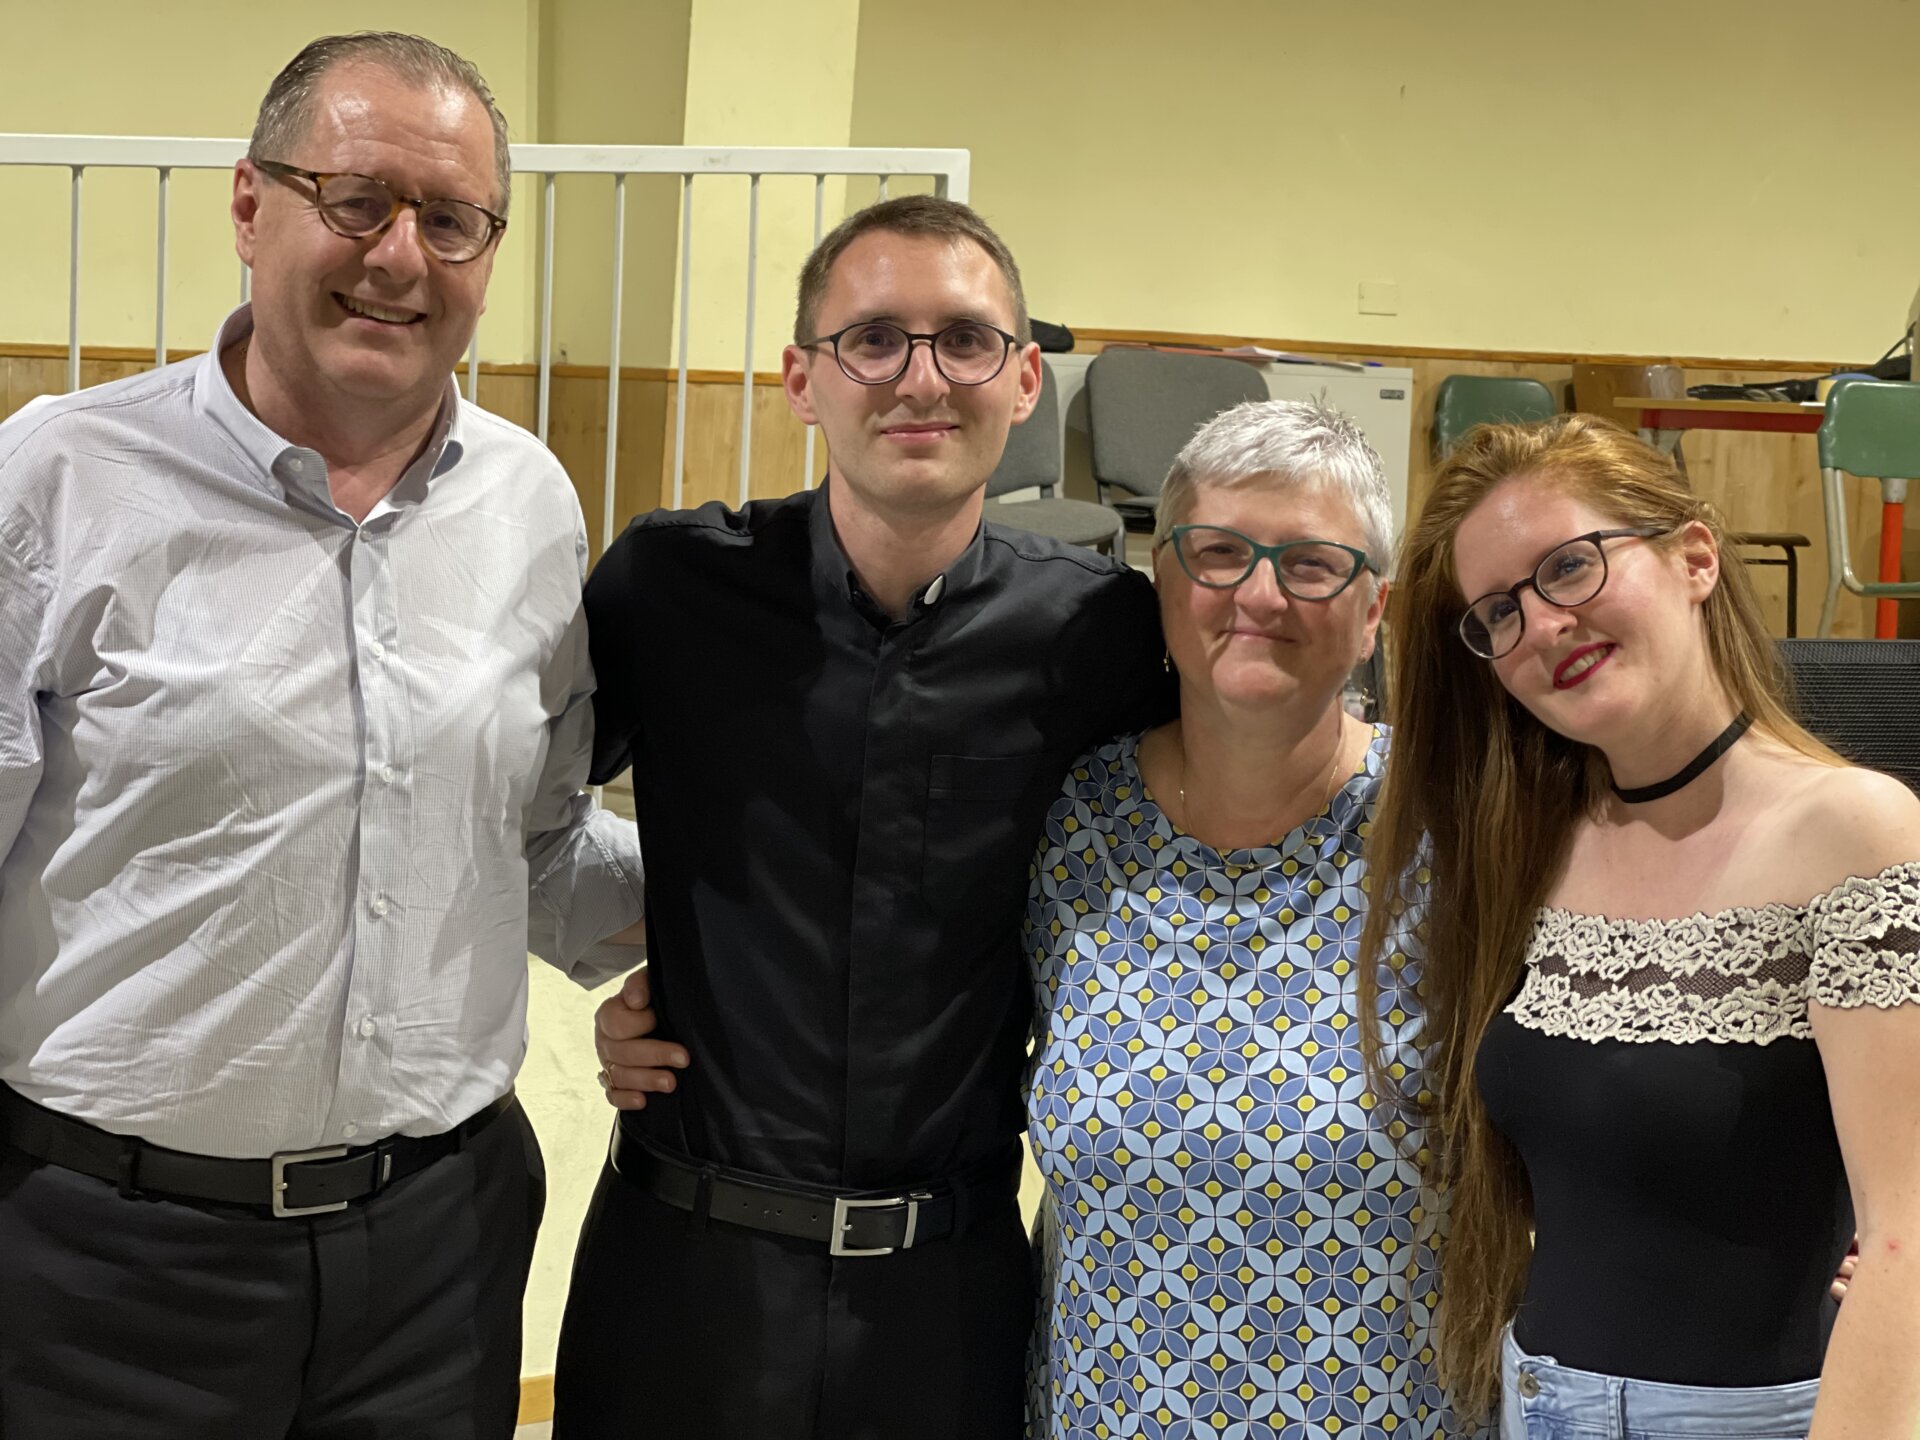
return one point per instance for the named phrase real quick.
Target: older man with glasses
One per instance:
(294, 717)
(846, 711)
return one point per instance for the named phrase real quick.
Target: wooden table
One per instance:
(1664, 421)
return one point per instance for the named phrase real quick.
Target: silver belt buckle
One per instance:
(837, 1244)
(298, 1157)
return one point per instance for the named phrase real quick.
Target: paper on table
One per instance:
(1288, 357)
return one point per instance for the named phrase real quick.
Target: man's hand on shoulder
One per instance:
(631, 1065)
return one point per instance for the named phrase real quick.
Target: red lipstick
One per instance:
(1574, 662)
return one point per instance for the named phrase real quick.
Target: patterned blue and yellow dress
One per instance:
(1235, 1240)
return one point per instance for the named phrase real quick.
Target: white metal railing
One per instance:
(948, 169)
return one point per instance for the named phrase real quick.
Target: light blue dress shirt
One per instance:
(285, 800)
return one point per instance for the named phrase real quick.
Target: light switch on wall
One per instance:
(1379, 297)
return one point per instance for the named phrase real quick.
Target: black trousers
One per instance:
(731, 1334)
(146, 1319)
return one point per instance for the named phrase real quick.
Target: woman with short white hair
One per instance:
(1235, 1239)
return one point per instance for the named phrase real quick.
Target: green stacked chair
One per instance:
(1871, 431)
(1464, 401)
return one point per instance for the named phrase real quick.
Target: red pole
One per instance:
(1886, 614)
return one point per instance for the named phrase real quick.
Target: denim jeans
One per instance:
(1541, 1400)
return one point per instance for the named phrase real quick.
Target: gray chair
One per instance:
(1143, 406)
(1033, 458)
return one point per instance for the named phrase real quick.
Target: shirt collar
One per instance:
(285, 467)
(834, 580)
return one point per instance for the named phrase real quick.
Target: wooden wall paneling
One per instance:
(1095, 339)
(1761, 482)
(577, 434)
(29, 376)
(510, 395)
(713, 444)
(23, 377)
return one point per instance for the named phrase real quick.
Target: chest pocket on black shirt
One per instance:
(983, 821)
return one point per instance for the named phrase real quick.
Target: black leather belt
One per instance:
(298, 1182)
(859, 1223)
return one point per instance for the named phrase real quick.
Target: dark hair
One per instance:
(286, 112)
(907, 215)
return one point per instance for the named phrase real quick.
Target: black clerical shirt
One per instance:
(838, 813)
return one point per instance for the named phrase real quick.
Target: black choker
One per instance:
(1696, 767)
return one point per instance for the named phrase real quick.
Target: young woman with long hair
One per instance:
(1673, 967)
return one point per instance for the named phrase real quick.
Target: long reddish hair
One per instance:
(1478, 809)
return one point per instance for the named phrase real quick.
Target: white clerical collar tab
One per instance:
(931, 595)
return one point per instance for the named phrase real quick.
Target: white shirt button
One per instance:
(349, 1130)
(367, 1027)
(377, 650)
(296, 464)
(379, 906)
(387, 773)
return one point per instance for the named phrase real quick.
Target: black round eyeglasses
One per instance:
(1572, 574)
(876, 352)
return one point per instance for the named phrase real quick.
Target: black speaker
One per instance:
(1863, 698)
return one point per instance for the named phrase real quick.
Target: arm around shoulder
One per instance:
(615, 612)
(1134, 656)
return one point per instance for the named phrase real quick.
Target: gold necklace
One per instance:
(1333, 777)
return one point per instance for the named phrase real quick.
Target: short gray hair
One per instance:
(1302, 444)
(286, 113)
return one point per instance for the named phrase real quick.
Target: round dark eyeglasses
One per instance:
(1219, 558)
(356, 206)
(874, 352)
(1572, 574)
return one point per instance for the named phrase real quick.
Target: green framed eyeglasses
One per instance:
(1220, 558)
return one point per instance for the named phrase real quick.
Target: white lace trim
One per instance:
(1743, 976)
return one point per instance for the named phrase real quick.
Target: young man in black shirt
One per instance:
(847, 713)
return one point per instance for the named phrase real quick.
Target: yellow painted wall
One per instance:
(1706, 177)
(615, 73)
(199, 68)
(1718, 177)
(760, 73)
